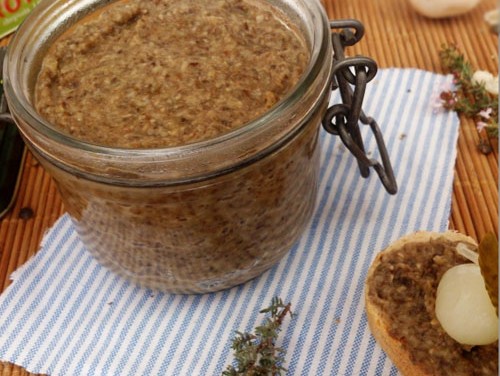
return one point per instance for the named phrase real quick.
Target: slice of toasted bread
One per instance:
(400, 303)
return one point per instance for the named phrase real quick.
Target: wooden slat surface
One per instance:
(395, 37)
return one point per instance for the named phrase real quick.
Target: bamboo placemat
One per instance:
(395, 37)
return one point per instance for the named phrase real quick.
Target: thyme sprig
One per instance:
(468, 97)
(257, 354)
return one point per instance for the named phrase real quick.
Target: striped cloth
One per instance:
(66, 315)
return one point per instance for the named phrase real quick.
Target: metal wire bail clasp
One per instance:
(343, 119)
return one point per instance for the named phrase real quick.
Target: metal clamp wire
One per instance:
(343, 119)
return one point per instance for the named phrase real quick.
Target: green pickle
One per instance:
(488, 262)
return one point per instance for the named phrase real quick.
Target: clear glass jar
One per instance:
(190, 219)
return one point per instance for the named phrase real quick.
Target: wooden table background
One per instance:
(395, 37)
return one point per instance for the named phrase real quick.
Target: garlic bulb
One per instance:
(492, 18)
(443, 8)
(489, 81)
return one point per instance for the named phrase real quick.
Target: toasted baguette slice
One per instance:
(406, 327)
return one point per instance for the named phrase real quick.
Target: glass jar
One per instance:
(189, 219)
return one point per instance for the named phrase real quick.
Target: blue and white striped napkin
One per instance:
(66, 315)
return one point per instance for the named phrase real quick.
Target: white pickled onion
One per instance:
(468, 253)
(464, 308)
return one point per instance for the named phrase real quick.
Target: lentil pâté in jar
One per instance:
(193, 166)
(169, 72)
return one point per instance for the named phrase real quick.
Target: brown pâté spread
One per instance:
(157, 73)
(164, 73)
(413, 274)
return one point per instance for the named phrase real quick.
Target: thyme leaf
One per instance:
(256, 354)
(469, 97)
